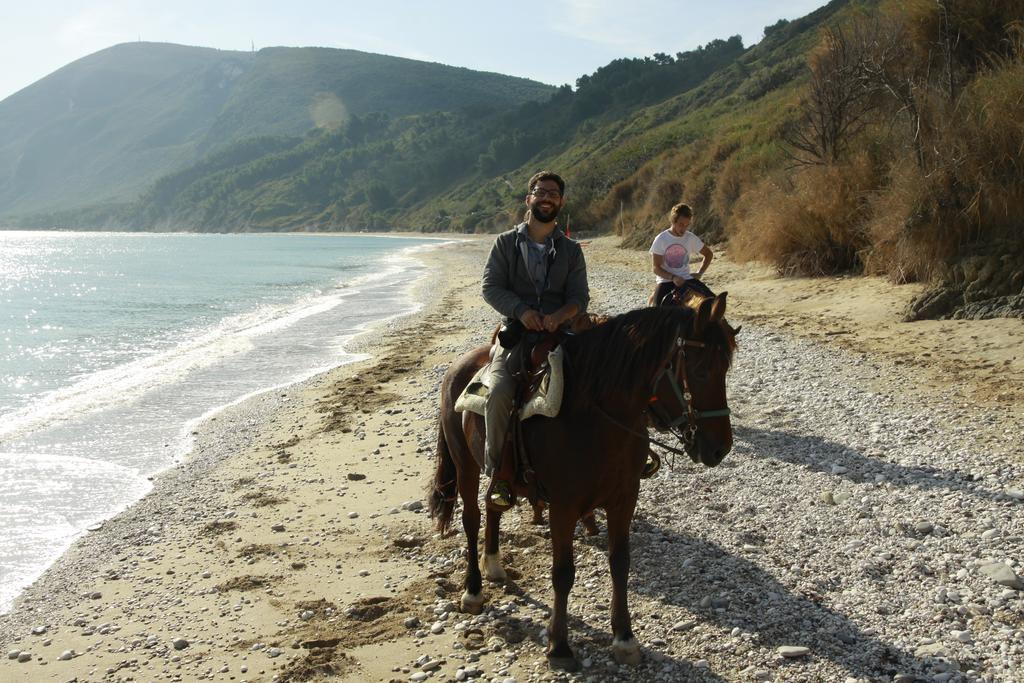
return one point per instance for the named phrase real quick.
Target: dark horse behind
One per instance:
(660, 366)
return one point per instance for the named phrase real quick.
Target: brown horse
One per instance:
(663, 365)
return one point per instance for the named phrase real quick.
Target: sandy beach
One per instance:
(294, 543)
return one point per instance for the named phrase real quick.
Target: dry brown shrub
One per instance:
(640, 236)
(809, 223)
(992, 138)
(609, 210)
(637, 206)
(623, 190)
(976, 30)
(898, 240)
(667, 193)
(973, 190)
(733, 180)
(723, 149)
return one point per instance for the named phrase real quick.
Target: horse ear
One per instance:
(703, 317)
(736, 332)
(718, 306)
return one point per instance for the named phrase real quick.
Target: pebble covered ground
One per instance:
(859, 531)
(855, 533)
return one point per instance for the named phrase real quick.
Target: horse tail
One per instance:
(443, 490)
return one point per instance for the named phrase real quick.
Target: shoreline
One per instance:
(184, 444)
(222, 436)
(297, 523)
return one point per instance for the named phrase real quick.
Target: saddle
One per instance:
(538, 368)
(533, 368)
(689, 295)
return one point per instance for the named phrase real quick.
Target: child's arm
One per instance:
(709, 256)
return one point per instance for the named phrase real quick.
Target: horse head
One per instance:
(689, 395)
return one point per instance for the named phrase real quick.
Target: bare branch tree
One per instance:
(837, 105)
(888, 67)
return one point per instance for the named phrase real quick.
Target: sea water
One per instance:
(114, 345)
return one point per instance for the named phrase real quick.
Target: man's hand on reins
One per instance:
(533, 320)
(552, 321)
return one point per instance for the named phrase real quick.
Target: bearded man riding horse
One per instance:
(663, 367)
(537, 278)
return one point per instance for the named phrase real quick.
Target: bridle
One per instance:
(682, 394)
(667, 373)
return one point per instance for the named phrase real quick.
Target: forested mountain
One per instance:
(106, 126)
(382, 171)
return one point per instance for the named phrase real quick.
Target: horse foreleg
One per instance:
(492, 555)
(590, 524)
(538, 513)
(563, 574)
(624, 646)
(473, 596)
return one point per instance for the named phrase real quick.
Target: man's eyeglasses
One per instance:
(541, 193)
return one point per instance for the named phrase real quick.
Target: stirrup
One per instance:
(652, 465)
(500, 496)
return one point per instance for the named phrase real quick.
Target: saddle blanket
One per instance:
(546, 401)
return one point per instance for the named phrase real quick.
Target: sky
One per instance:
(554, 42)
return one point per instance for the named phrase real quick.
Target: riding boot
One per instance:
(499, 492)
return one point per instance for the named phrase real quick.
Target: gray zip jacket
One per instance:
(508, 287)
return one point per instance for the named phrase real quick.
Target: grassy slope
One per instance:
(628, 171)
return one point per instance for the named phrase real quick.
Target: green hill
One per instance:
(106, 126)
(436, 171)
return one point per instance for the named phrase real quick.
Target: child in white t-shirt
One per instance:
(671, 252)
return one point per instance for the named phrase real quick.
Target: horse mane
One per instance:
(619, 356)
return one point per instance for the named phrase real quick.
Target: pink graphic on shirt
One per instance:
(675, 256)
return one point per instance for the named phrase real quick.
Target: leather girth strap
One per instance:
(526, 477)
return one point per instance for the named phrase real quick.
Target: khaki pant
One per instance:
(498, 410)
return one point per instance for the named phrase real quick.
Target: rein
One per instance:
(639, 435)
(685, 397)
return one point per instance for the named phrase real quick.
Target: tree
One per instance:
(379, 197)
(888, 66)
(836, 107)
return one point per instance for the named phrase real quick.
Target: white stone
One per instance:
(1001, 573)
(962, 636)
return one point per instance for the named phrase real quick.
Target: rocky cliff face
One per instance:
(987, 283)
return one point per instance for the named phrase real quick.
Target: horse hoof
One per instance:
(472, 603)
(626, 652)
(569, 664)
(492, 568)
